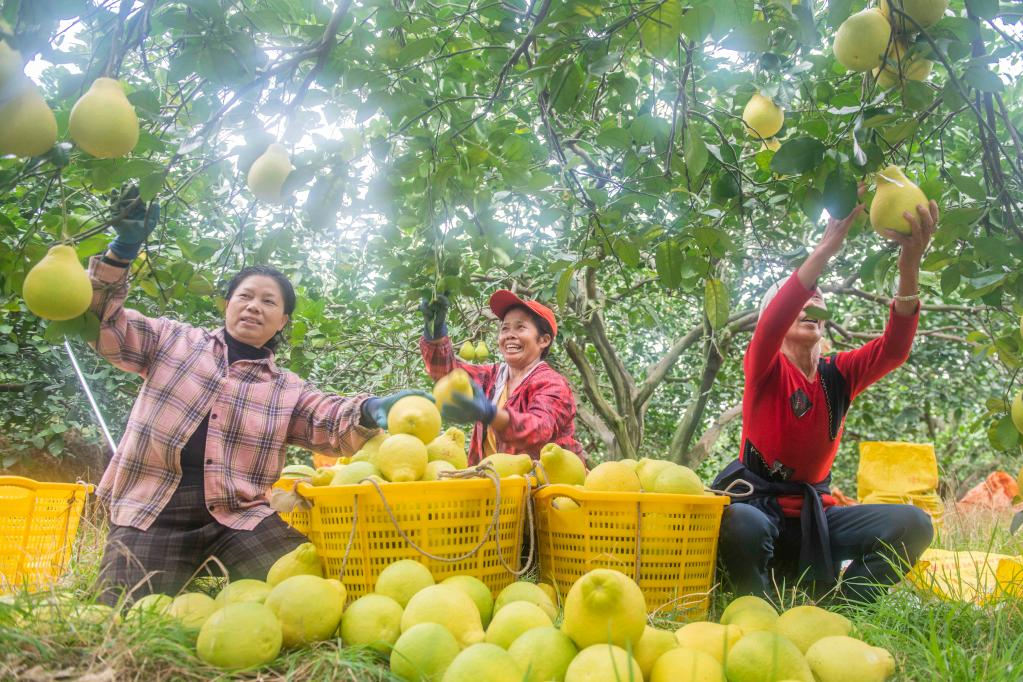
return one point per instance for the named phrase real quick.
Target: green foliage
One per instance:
(590, 153)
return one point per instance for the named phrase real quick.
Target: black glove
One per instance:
(466, 410)
(132, 229)
(375, 409)
(435, 314)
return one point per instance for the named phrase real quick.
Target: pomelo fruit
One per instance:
(862, 40)
(244, 590)
(652, 645)
(561, 466)
(434, 470)
(402, 458)
(513, 620)
(372, 620)
(240, 636)
(150, 605)
(456, 382)
(423, 652)
(895, 194)
(448, 447)
(545, 653)
(416, 416)
(804, 625)
(308, 607)
(603, 663)
(612, 477)
(483, 661)
(447, 606)
(509, 465)
(687, 665)
(303, 560)
(402, 579)
(678, 480)
(29, 126)
(352, 474)
(57, 287)
(477, 591)
(604, 606)
(764, 656)
(103, 121)
(192, 609)
(763, 118)
(523, 590)
(748, 601)
(711, 638)
(267, 173)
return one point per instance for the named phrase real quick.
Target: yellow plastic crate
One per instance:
(357, 537)
(666, 543)
(38, 524)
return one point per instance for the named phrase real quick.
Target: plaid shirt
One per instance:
(541, 409)
(255, 409)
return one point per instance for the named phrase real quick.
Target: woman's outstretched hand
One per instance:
(134, 221)
(375, 409)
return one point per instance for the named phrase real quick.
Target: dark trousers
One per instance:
(183, 537)
(883, 541)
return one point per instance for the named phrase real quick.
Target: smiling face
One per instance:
(519, 339)
(805, 331)
(255, 311)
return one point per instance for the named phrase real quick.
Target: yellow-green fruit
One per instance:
(402, 579)
(268, 172)
(293, 471)
(545, 653)
(710, 638)
(401, 458)
(192, 609)
(764, 657)
(308, 607)
(522, 590)
(1017, 412)
(603, 663)
(604, 606)
(561, 466)
(743, 603)
(323, 476)
(447, 606)
(924, 12)
(448, 447)
(484, 661)
(678, 480)
(240, 636)
(351, 474)
(423, 652)
(862, 39)
(687, 665)
(612, 476)
(103, 121)
(434, 469)
(752, 620)
(467, 352)
(57, 287)
(509, 465)
(477, 591)
(372, 620)
(244, 590)
(895, 194)
(482, 352)
(372, 446)
(29, 127)
(901, 66)
(652, 645)
(649, 469)
(150, 605)
(771, 144)
(457, 382)
(844, 659)
(416, 416)
(514, 619)
(562, 503)
(763, 118)
(804, 625)
(303, 560)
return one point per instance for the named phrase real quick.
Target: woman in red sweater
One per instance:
(520, 404)
(794, 405)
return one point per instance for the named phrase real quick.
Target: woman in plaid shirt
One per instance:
(206, 437)
(520, 404)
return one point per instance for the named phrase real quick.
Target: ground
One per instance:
(932, 640)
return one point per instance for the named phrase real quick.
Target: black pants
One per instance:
(184, 535)
(883, 541)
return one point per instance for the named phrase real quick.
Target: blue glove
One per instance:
(374, 410)
(435, 315)
(467, 410)
(138, 222)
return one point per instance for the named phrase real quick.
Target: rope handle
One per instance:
(728, 489)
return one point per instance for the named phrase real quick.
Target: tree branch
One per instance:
(701, 450)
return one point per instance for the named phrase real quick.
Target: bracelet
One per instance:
(911, 297)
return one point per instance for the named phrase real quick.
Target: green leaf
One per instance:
(58, 329)
(815, 313)
(797, 156)
(616, 138)
(917, 95)
(715, 303)
(668, 260)
(661, 29)
(565, 86)
(983, 79)
(950, 278)
(564, 286)
(982, 9)
(695, 154)
(839, 193)
(698, 22)
(1002, 434)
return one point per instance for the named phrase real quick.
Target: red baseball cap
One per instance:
(503, 300)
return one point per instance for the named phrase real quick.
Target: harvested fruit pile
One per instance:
(457, 631)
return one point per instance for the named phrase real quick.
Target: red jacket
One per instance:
(785, 416)
(541, 410)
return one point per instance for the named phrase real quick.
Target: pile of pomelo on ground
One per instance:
(455, 630)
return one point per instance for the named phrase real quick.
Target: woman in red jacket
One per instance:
(793, 406)
(519, 405)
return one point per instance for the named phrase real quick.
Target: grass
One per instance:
(45, 637)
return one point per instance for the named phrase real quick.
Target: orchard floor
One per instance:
(932, 640)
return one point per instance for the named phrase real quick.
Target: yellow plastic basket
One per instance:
(666, 543)
(360, 529)
(38, 524)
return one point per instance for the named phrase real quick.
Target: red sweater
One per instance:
(541, 409)
(771, 403)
